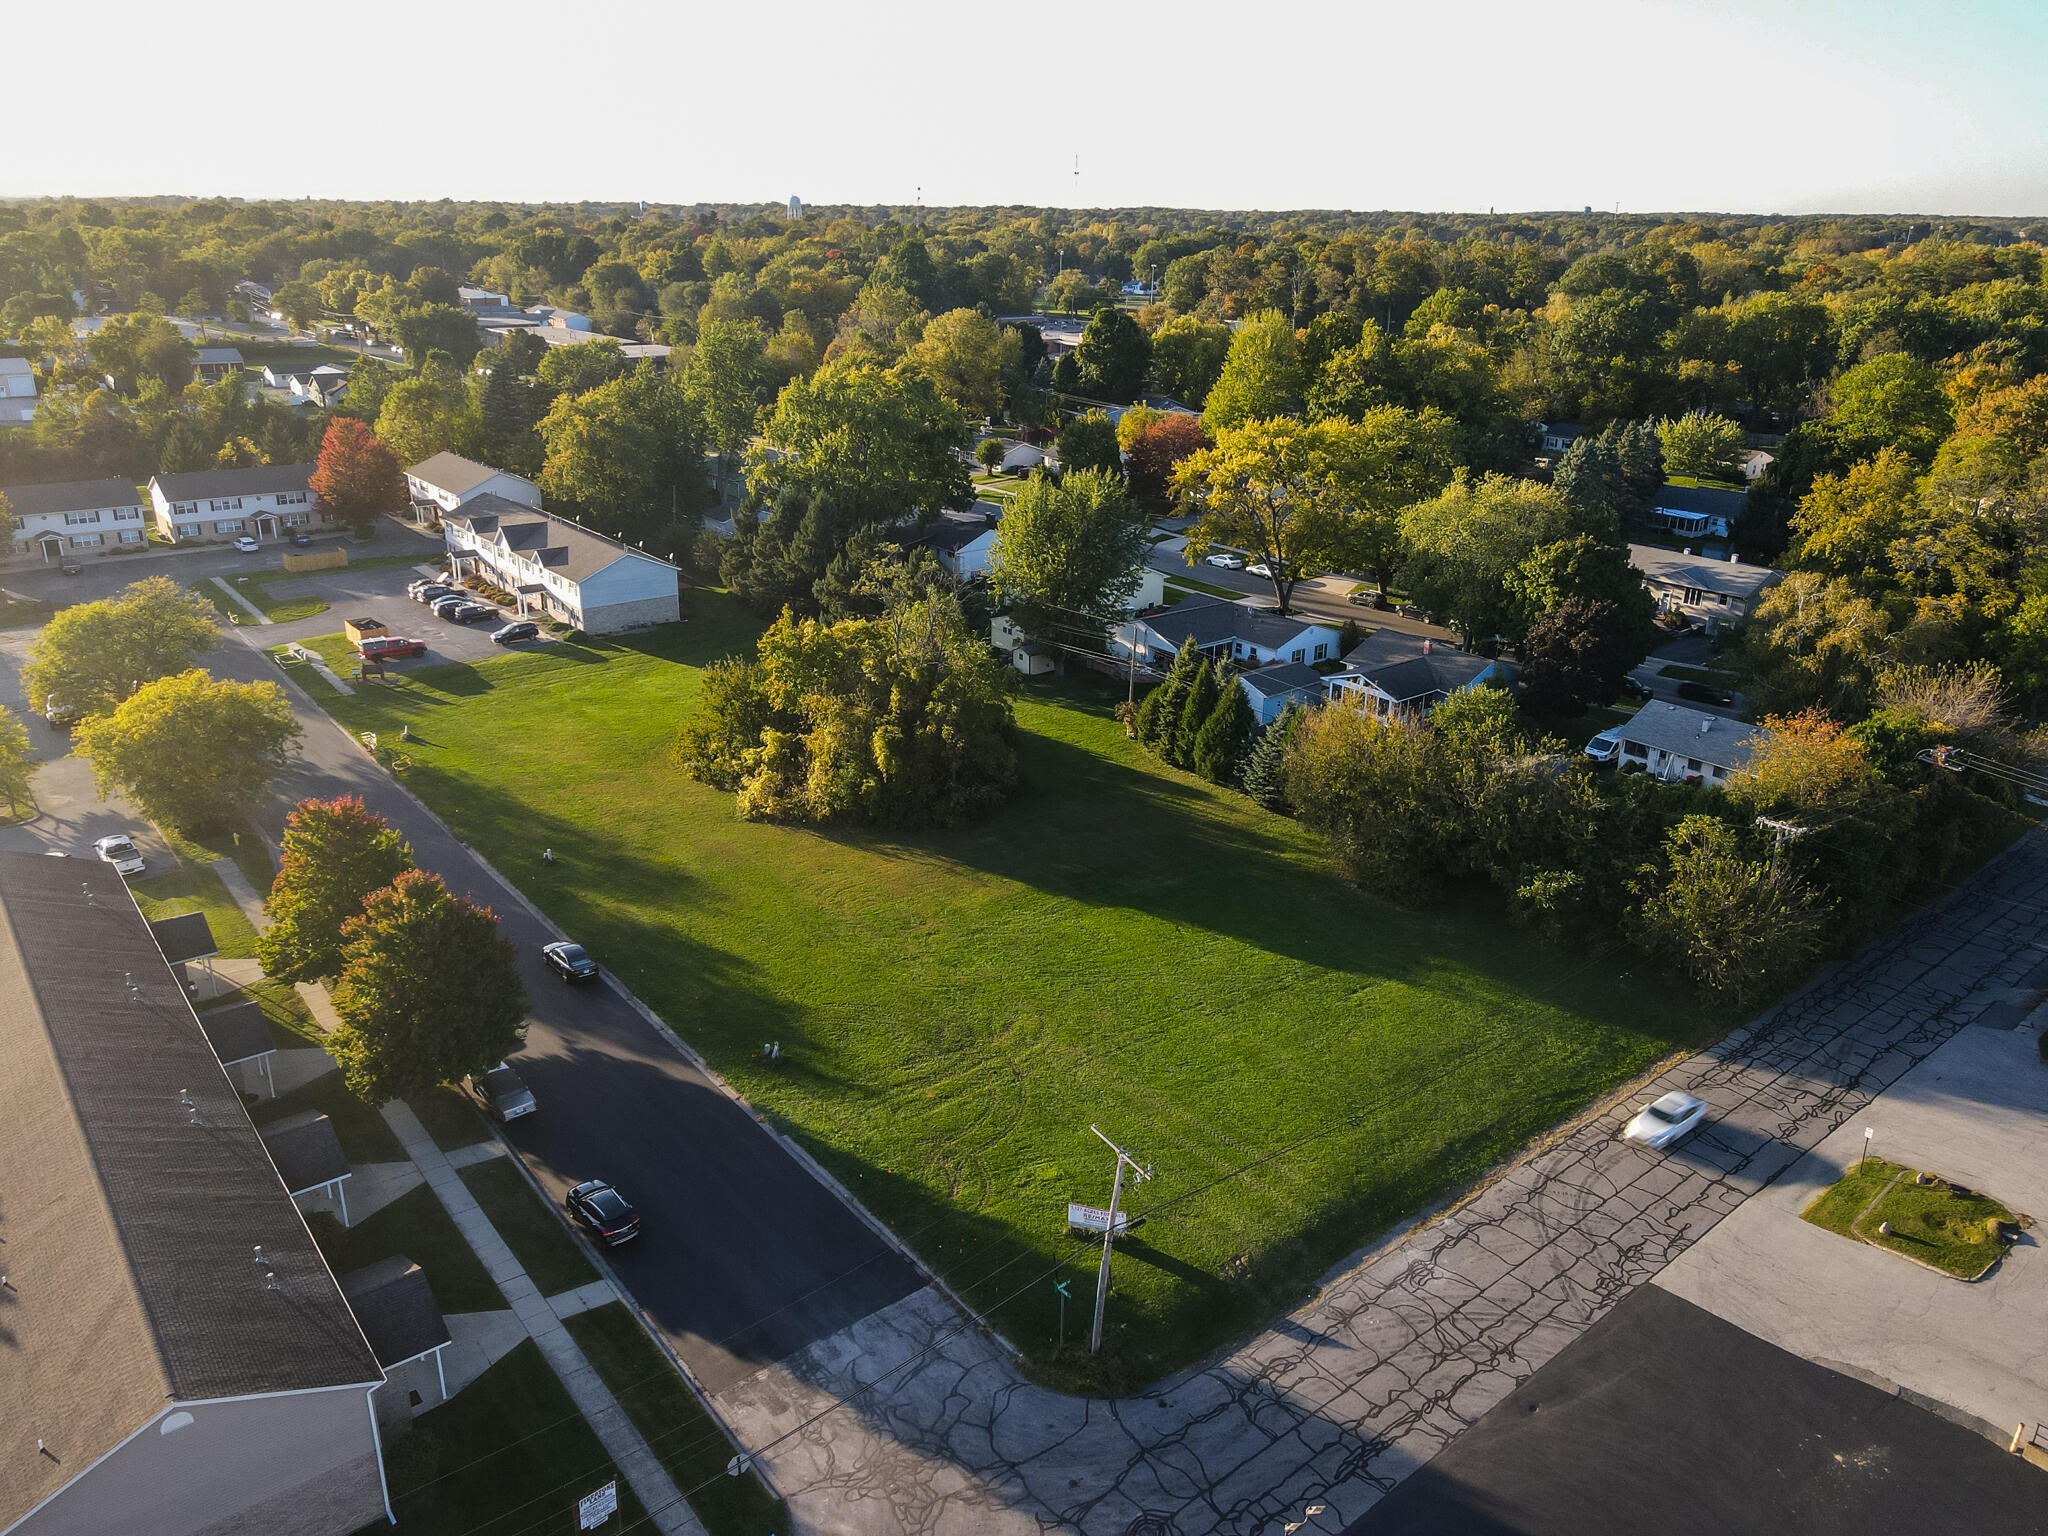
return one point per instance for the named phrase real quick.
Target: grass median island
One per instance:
(1957, 1231)
(684, 1438)
(542, 1245)
(507, 1455)
(1121, 944)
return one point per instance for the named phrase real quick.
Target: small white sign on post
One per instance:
(596, 1508)
(1093, 1218)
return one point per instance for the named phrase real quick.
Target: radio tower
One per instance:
(1077, 181)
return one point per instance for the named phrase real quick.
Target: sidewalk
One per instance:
(543, 1323)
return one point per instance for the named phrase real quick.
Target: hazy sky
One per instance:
(1742, 105)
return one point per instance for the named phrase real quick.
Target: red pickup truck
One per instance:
(390, 648)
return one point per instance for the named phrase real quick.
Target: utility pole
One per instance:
(1116, 1194)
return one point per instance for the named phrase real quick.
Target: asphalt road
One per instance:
(745, 1256)
(1663, 1418)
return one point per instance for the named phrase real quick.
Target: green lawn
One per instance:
(1956, 1231)
(364, 1136)
(541, 1244)
(281, 610)
(450, 1118)
(194, 887)
(508, 1455)
(416, 1225)
(291, 1025)
(689, 1444)
(1122, 944)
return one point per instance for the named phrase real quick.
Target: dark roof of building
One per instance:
(306, 1151)
(71, 496)
(395, 1308)
(952, 532)
(184, 937)
(1405, 666)
(562, 546)
(220, 355)
(452, 472)
(133, 1243)
(1289, 677)
(1211, 620)
(1562, 429)
(1698, 498)
(257, 480)
(237, 1032)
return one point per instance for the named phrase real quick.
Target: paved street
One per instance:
(909, 1423)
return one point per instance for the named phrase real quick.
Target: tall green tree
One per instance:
(1261, 377)
(967, 357)
(1703, 445)
(1464, 544)
(334, 853)
(1159, 714)
(1277, 489)
(1187, 359)
(883, 445)
(1221, 743)
(428, 991)
(1068, 555)
(17, 762)
(91, 656)
(723, 380)
(193, 753)
(629, 455)
(1112, 358)
(1734, 923)
(1204, 690)
(1089, 444)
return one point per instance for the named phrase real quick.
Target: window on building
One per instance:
(127, 514)
(1298, 655)
(229, 525)
(1322, 651)
(85, 541)
(1724, 599)
(80, 519)
(189, 530)
(131, 535)
(1692, 594)
(1692, 765)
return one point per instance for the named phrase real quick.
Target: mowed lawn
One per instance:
(1302, 1064)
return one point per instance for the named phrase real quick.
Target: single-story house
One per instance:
(1022, 458)
(179, 1358)
(1558, 436)
(1754, 462)
(445, 482)
(561, 569)
(218, 362)
(1696, 511)
(1712, 592)
(1680, 745)
(327, 386)
(53, 520)
(1251, 637)
(480, 298)
(1271, 689)
(17, 392)
(267, 501)
(285, 375)
(962, 541)
(1394, 671)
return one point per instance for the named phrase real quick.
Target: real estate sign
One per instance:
(598, 1507)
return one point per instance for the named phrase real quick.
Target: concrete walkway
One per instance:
(622, 1442)
(244, 893)
(253, 611)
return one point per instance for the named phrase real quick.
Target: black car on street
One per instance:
(605, 1212)
(569, 961)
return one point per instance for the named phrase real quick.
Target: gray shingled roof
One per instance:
(558, 544)
(952, 532)
(1703, 499)
(184, 937)
(306, 1151)
(220, 355)
(1212, 620)
(1677, 569)
(452, 472)
(71, 496)
(1405, 666)
(1692, 733)
(187, 1188)
(396, 1308)
(1290, 677)
(257, 480)
(238, 1032)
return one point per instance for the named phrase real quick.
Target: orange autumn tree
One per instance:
(357, 477)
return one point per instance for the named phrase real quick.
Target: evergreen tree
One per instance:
(1640, 455)
(1195, 709)
(1589, 477)
(1220, 744)
(1159, 715)
(1262, 777)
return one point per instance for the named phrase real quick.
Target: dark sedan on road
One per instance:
(1701, 693)
(571, 962)
(512, 634)
(602, 1209)
(470, 613)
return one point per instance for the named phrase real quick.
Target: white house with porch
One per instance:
(54, 520)
(265, 501)
(1225, 631)
(1394, 672)
(1707, 591)
(1681, 745)
(559, 569)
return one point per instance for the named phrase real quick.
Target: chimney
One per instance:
(1706, 724)
(1733, 558)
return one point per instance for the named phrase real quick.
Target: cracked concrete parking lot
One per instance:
(913, 1420)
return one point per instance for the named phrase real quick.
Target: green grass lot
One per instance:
(542, 1245)
(1933, 1223)
(509, 1455)
(450, 1118)
(291, 1025)
(1121, 944)
(1696, 483)
(692, 1448)
(194, 887)
(416, 1225)
(364, 1136)
(280, 610)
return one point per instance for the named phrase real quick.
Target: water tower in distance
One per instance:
(796, 209)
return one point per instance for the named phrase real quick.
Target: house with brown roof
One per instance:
(178, 1358)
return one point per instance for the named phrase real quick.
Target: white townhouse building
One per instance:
(54, 520)
(17, 392)
(447, 481)
(266, 501)
(559, 568)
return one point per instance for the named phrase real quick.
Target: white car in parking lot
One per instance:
(121, 852)
(247, 545)
(1660, 1124)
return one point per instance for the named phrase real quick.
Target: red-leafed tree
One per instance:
(357, 478)
(1157, 448)
(334, 854)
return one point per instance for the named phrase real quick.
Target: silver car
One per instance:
(1660, 1124)
(502, 1092)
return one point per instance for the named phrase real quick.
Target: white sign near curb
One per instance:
(1093, 1218)
(596, 1508)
